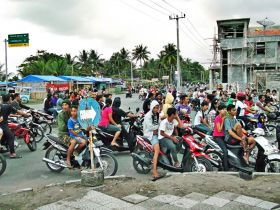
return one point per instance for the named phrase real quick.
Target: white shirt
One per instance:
(242, 107)
(197, 119)
(167, 127)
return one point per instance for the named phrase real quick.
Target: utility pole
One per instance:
(213, 67)
(179, 78)
(131, 73)
(6, 65)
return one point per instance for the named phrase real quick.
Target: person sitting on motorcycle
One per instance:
(201, 121)
(62, 120)
(5, 110)
(183, 107)
(232, 99)
(76, 134)
(219, 135)
(107, 122)
(234, 133)
(59, 102)
(17, 103)
(166, 130)
(100, 100)
(147, 102)
(241, 107)
(150, 130)
(168, 103)
(275, 96)
(118, 114)
(260, 107)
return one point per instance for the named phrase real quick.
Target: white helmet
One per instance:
(259, 131)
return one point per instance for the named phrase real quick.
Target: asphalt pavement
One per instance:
(31, 171)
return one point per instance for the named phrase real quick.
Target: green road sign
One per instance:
(18, 40)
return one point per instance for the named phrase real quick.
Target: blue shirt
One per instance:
(75, 126)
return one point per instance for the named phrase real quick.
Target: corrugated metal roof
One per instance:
(41, 78)
(75, 78)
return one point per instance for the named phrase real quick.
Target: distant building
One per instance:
(249, 55)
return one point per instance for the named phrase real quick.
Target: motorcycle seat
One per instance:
(55, 139)
(146, 139)
(233, 146)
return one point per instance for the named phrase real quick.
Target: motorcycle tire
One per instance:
(271, 127)
(203, 163)
(3, 164)
(218, 158)
(273, 166)
(46, 127)
(110, 164)
(32, 144)
(138, 166)
(38, 133)
(52, 167)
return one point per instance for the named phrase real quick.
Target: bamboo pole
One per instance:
(91, 152)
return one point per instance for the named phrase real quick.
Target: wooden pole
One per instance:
(91, 152)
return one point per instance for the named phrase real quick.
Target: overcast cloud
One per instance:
(68, 26)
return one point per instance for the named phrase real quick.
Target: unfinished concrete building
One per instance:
(249, 55)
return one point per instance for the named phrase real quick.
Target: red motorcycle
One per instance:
(21, 131)
(193, 157)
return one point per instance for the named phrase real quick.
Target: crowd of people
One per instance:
(216, 113)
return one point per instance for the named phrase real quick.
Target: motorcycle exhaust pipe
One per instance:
(55, 163)
(140, 159)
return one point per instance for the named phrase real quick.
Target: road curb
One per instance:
(68, 182)
(255, 174)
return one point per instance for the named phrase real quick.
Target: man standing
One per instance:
(6, 110)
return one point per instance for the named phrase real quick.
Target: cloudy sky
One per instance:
(69, 26)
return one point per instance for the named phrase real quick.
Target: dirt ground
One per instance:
(263, 187)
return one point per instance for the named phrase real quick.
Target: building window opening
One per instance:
(260, 48)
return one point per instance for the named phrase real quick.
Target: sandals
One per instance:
(68, 165)
(155, 178)
(115, 145)
(15, 156)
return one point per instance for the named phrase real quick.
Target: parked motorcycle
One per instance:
(56, 153)
(193, 160)
(3, 164)
(22, 131)
(43, 119)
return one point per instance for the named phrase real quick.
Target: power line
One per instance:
(161, 7)
(171, 6)
(147, 5)
(188, 19)
(197, 39)
(139, 10)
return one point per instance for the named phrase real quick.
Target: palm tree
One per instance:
(84, 64)
(168, 57)
(140, 53)
(71, 62)
(95, 61)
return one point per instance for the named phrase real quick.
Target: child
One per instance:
(219, 135)
(76, 135)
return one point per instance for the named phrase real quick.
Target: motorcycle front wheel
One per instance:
(273, 166)
(202, 166)
(46, 127)
(3, 164)
(32, 145)
(54, 155)
(140, 167)
(110, 164)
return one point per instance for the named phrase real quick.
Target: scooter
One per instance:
(193, 160)
(56, 153)
(265, 156)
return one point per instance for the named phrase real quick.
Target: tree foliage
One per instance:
(91, 63)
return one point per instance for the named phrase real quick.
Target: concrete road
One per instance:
(31, 171)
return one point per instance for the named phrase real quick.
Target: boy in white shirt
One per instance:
(166, 130)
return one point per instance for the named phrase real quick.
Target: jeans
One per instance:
(221, 142)
(53, 111)
(171, 146)
(203, 128)
(9, 138)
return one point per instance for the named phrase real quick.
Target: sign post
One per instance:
(89, 115)
(18, 40)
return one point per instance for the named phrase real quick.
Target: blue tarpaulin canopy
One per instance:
(41, 78)
(75, 78)
(100, 79)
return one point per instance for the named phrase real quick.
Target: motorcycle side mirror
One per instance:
(129, 108)
(137, 109)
